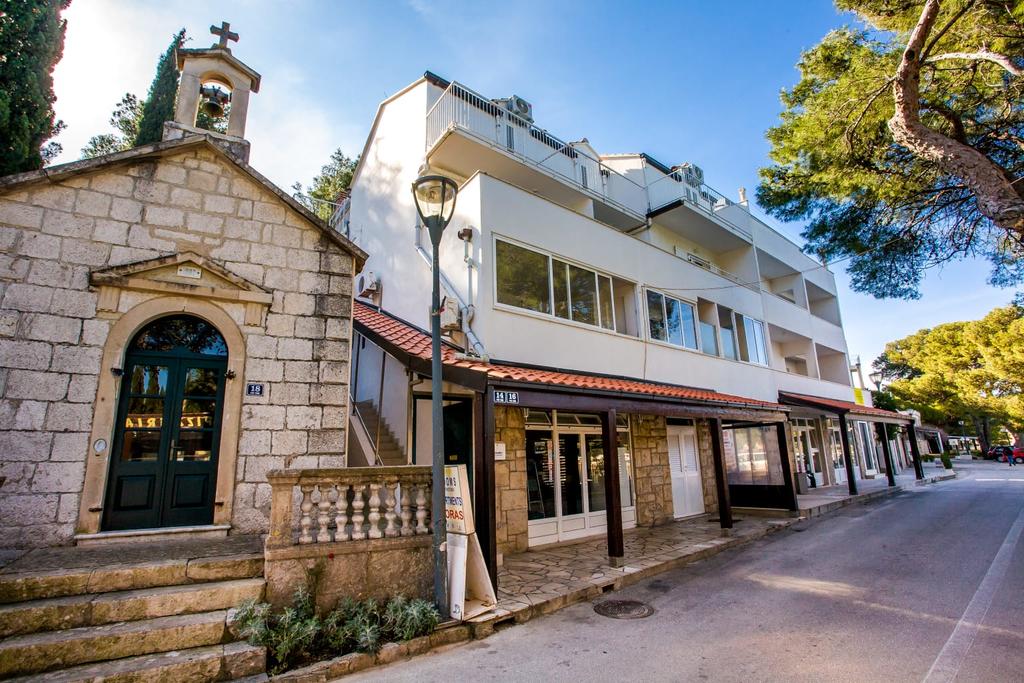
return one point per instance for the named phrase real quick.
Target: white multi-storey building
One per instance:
(578, 283)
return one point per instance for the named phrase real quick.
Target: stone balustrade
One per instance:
(348, 504)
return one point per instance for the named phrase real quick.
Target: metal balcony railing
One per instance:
(471, 113)
(696, 194)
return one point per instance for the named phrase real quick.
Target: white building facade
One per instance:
(611, 265)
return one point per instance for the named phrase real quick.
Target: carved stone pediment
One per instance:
(185, 274)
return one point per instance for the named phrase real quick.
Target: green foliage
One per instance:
(946, 462)
(163, 92)
(835, 163)
(297, 635)
(125, 121)
(971, 371)
(334, 178)
(31, 44)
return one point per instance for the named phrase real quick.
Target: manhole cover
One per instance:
(623, 609)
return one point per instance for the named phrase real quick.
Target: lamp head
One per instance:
(435, 202)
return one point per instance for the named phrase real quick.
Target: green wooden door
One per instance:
(163, 469)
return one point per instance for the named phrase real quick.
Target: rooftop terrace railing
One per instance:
(461, 108)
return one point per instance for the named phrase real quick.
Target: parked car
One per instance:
(999, 453)
(1018, 455)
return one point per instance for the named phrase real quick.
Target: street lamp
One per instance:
(876, 379)
(435, 202)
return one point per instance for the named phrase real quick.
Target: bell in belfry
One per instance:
(213, 100)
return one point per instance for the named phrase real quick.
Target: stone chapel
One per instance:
(172, 326)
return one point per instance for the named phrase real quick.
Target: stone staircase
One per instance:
(389, 452)
(162, 619)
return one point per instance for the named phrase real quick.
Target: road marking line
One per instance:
(981, 479)
(947, 664)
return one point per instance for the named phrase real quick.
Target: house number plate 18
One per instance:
(506, 397)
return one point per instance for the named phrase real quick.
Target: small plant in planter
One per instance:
(298, 635)
(946, 462)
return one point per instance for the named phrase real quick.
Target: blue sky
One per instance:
(682, 81)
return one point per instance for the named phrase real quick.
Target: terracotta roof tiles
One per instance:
(415, 342)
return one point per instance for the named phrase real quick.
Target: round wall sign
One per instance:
(100, 445)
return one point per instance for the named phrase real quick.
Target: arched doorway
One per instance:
(163, 465)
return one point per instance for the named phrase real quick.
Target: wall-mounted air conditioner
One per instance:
(450, 316)
(367, 285)
(520, 107)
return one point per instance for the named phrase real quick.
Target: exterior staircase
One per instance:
(389, 451)
(164, 619)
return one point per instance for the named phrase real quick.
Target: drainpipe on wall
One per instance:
(466, 311)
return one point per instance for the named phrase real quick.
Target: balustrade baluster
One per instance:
(375, 511)
(341, 533)
(357, 512)
(421, 510)
(306, 521)
(390, 530)
(323, 534)
(407, 528)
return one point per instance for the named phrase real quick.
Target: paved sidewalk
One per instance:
(543, 580)
(825, 499)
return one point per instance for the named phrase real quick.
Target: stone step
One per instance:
(54, 583)
(211, 663)
(41, 652)
(75, 611)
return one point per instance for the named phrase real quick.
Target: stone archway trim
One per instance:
(97, 466)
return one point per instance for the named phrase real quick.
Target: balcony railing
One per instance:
(711, 267)
(703, 198)
(461, 108)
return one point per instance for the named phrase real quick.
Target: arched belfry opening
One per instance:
(214, 89)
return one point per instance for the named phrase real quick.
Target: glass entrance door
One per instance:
(565, 487)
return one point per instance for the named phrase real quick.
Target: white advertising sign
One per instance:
(470, 592)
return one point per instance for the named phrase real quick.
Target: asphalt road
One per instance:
(925, 586)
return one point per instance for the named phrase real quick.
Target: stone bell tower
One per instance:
(216, 80)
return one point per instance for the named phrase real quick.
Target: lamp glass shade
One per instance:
(876, 378)
(435, 198)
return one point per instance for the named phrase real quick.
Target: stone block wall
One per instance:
(54, 233)
(511, 516)
(651, 470)
(707, 466)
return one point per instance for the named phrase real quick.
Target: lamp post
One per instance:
(435, 202)
(876, 379)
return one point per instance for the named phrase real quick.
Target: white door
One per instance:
(687, 492)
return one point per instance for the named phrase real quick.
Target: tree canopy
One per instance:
(125, 120)
(31, 44)
(163, 92)
(971, 371)
(334, 178)
(902, 145)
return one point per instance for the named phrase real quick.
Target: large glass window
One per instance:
(752, 456)
(537, 282)
(752, 342)
(523, 278)
(671, 320)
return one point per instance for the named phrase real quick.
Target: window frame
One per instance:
(694, 318)
(552, 314)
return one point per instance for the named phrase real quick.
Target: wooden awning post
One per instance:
(717, 454)
(787, 471)
(883, 434)
(844, 436)
(915, 452)
(612, 497)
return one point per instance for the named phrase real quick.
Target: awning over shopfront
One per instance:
(411, 346)
(838, 407)
(845, 409)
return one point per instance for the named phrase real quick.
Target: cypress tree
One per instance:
(31, 43)
(163, 92)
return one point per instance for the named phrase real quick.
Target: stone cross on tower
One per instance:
(225, 34)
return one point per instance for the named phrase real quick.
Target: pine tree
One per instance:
(163, 92)
(31, 43)
(125, 120)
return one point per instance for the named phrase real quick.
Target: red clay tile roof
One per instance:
(844, 406)
(417, 343)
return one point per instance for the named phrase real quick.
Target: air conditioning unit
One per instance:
(367, 284)
(520, 107)
(450, 316)
(693, 174)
